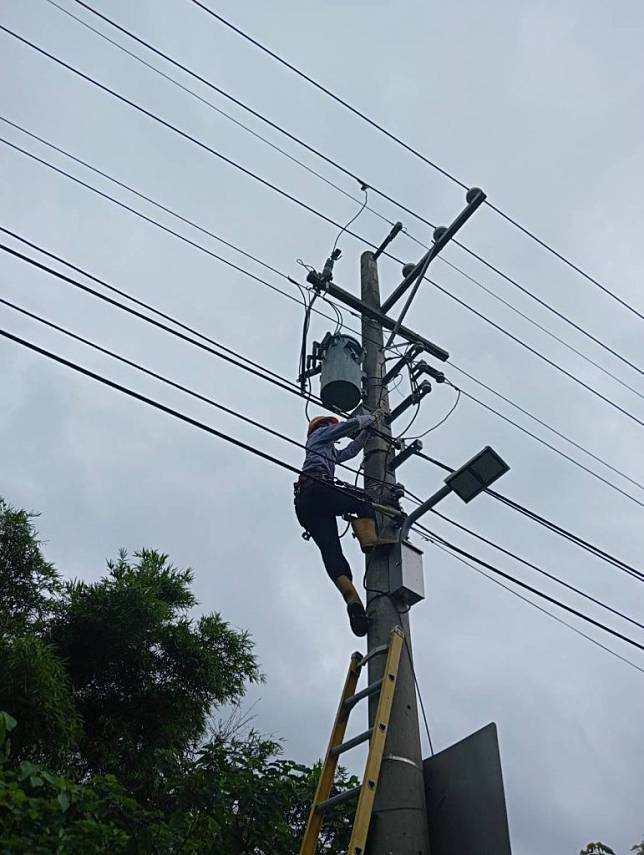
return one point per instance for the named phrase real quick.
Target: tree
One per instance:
(244, 797)
(34, 685)
(597, 849)
(145, 676)
(114, 686)
(28, 583)
(236, 797)
(35, 689)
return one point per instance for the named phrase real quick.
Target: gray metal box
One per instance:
(406, 573)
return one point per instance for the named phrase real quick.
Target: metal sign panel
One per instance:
(465, 797)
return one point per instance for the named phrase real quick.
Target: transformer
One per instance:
(341, 371)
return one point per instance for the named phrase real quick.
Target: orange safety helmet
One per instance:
(318, 421)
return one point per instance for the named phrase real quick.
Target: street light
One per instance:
(472, 478)
(406, 561)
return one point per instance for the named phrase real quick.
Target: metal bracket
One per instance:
(413, 448)
(388, 323)
(405, 359)
(415, 398)
(442, 235)
(392, 234)
(423, 368)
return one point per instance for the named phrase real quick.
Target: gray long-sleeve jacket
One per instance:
(321, 454)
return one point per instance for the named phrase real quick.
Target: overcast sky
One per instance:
(538, 103)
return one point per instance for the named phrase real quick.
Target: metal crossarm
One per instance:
(376, 735)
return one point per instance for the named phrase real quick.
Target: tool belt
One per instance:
(305, 480)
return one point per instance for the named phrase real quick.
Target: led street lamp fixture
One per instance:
(477, 474)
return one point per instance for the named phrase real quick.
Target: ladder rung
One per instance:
(377, 651)
(339, 799)
(351, 743)
(371, 689)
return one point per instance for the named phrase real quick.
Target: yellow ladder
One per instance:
(376, 735)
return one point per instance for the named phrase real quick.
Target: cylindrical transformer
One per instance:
(341, 375)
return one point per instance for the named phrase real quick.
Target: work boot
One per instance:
(358, 619)
(365, 530)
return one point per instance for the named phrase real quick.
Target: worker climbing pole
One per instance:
(319, 500)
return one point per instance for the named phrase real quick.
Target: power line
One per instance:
(335, 164)
(280, 291)
(167, 229)
(549, 445)
(416, 153)
(545, 305)
(184, 134)
(266, 428)
(159, 225)
(244, 107)
(245, 364)
(591, 548)
(536, 353)
(138, 367)
(150, 402)
(273, 287)
(542, 423)
(543, 329)
(261, 372)
(169, 410)
(540, 608)
(532, 566)
(536, 591)
(287, 195)
(212, 106)
(420, 697)
(141, 368)
(276, 461)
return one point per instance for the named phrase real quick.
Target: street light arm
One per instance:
(422, 509)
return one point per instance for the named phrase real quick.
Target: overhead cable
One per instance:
(554, 448)
(281, 192)
(535, 567)
(540, 608)
(290, 296)
(281, 463)
(332, 162)
(267, 429)
(412, 151)
(496, 570)
(549, 524)
(538, 353)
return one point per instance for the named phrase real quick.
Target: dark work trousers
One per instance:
(317, 505)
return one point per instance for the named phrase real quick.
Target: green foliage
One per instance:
(35, 688)
(638, 848)
(236, 797)
(113, 685)
(28, 583)
(243, 797)
(41, 813)
(145, 676)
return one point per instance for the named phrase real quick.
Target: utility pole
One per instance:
(399, 816)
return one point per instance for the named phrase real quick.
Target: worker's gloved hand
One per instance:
(379, 414)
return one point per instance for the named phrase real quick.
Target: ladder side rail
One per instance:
(367, 796)
(327, 773)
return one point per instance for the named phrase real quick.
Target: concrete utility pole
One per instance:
(400, 817)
